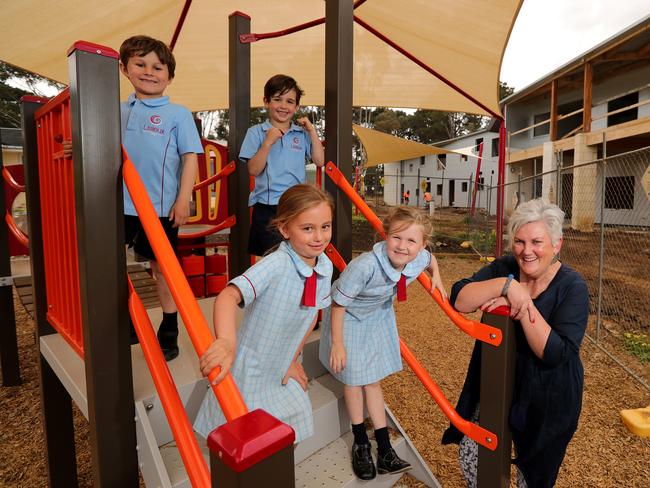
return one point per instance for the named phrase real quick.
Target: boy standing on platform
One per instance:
(163, 143)
(275, 153)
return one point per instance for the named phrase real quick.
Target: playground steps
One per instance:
(159, 459)
(144, 285)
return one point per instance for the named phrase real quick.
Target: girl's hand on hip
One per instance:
(219, 354)
(297, 372)
(338, 357)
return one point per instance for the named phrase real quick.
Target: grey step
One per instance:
(331, 466)
(310, 362)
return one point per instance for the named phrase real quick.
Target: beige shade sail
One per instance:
(462, 40)
(384, 148)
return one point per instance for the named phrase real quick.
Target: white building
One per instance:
(450, 178)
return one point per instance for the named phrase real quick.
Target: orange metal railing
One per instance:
(229, 222)
(8, 177)
(227, 393)
(473, 431)
(15, 230)
(59, 221)
(194, 462)
(478, 330)
(227, 170)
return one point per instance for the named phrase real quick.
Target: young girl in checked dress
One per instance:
(359, 342)
(281, 295)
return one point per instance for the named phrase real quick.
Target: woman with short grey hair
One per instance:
(550, 304)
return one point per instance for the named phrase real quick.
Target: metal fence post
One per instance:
(8, 340)
(601, 257)
(253, 450)
(497, 381)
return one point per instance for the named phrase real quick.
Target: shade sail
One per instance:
(462, 40)
(385, 148)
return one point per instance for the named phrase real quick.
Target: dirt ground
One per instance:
(602, 454)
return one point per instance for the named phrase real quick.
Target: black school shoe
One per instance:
(362, 463)
(390, 463)
(168, 340)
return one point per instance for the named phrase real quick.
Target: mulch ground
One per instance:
(602, 454)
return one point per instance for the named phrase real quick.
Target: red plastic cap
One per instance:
(249, 439)
(90, 47)
(502, 310)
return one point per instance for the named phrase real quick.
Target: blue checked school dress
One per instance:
(274, 325)
(366, 289)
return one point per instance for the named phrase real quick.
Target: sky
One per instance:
(549, 33)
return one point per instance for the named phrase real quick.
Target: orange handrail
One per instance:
(193, 459)
(225, 171)
(478, 330)
(473, 431)
(225, 224)
(227, 393)
(15, 230)
(8, 177)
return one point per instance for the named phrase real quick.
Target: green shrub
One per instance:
(638, 345)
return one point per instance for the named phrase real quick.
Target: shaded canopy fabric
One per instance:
(384, 148)
(463, 41)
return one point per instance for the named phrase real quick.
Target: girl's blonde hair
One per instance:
(401, 217)
(298, 199)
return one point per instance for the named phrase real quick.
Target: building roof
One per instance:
(627, 35)
(11, 137)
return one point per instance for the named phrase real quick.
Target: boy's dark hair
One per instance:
(143, 45)
(281, 84)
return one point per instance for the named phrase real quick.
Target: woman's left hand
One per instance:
(520, 302)
(297, 372)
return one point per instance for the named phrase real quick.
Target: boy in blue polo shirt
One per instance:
(275, 153)
(162, 142)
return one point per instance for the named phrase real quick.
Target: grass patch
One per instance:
(638, 345)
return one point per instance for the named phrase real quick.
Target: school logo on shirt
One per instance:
(295, 144)
(155, 120)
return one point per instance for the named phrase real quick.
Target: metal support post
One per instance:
(8, 340)
(338, 113)
(601, 254)
(239, 93)
(497, 381)
(253, 450)
(56, 404)
(95, 118)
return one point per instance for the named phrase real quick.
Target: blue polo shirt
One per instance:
(285, 166)
(155, 134)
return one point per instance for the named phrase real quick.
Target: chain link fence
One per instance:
(606, 234)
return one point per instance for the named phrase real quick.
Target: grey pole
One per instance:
(8, 340)
(96, 138)
(601, 257)
(338, 113)
(239, 96)
(56, 404)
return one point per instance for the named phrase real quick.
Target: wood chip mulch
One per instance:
(603, 452)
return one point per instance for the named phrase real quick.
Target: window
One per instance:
(481, 183)
(411, 167)
(619, 192)
(626, 115)
(543, 129)
(463, 157)
(463, 187)
(495, 147)
(441, 164)
(477, 143)
(439, 190)
(422, 160)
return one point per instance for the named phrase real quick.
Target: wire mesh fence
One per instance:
(606, 233)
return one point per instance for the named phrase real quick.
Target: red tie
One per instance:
(401, 289)
(309, 293)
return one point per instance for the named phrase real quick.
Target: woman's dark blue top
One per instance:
(547, 392)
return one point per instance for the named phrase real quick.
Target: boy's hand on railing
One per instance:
(297, 372)
(338, 357)
(220, 353)
(306, 124)
(67, 149)
(180, 212)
